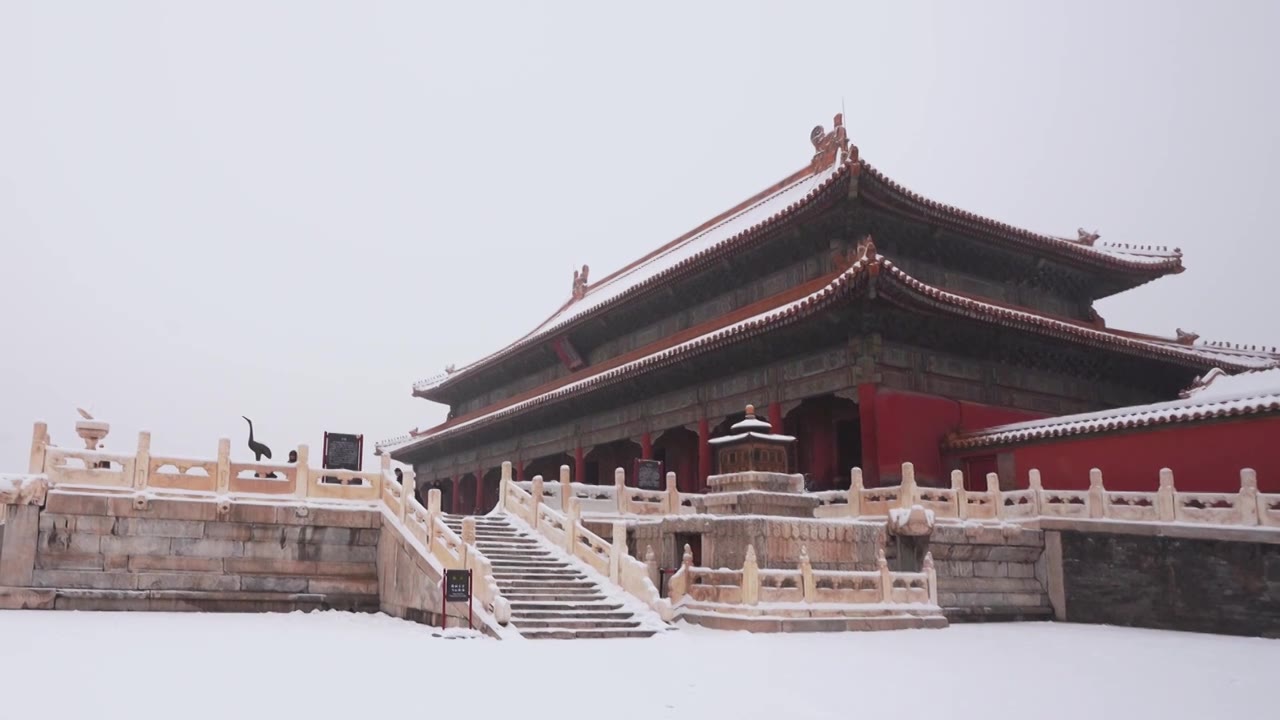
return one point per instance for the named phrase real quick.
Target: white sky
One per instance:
(293, 210)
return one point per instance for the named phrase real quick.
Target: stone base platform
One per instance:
(759, 502)
(179, 601)
(759, 620)
(770, 482)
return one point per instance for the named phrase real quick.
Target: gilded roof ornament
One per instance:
(828, 146)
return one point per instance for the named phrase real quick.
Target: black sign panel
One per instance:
(342, 451)
(457, 585)
(649, 474)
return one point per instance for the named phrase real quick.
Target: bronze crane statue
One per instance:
(258, 449)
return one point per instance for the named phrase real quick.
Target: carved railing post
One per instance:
(1097, 495)
(750, 578)
(503, 485)
(1165, 500)
(1250, 508)
(886, 578)
(673, 495)
(408, 492)
(223, 485)
(535, 498)
(571, 531)
(39, 441)
(620, 490)
(1037, 489)
(679, 583)
(566, 489)
(993, 494)
(957, 489)
(433, 512)
(806, 576)
(303, 471)
(907, 491)
(142, 461)
(617, 548)
(469, 530)
(651, 566)
(855, 492)
(931, 577)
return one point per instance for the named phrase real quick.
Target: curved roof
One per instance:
(1222, 396)
(739, 226)
(785, 309)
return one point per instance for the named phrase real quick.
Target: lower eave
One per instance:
(787, 308)
(1075, 427)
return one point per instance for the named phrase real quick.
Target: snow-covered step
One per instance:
(519, 618)
(553, 595)
(563, 606)
(593, 634)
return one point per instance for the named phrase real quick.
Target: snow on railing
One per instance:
(1166, 504)
(142, 472)
(563, 527)
(692, 586)
(617, 498)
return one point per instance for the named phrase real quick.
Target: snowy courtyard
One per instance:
(336, 665)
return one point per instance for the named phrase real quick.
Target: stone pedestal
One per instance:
(770, 482)
(758, 502)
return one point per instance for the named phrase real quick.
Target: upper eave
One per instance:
(1141, 263)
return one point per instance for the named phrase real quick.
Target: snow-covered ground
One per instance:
(337, 665)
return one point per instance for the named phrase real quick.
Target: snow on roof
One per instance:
(755, 213)
(751, 422)
(1215, 395)
(770, 437)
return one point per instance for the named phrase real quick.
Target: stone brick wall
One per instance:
(251, 557)
(990, 573)
(1177, 583)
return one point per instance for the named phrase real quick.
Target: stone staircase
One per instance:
(551, 596)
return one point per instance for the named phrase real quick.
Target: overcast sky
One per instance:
(293, 210)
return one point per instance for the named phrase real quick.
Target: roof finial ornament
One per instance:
(828, 146)
(450, 369)
(1084, 237)
(580, 282)
(1187, 338)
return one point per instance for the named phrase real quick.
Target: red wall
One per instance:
(1204, 457)
(910, 427)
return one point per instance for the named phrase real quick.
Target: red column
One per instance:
(704, 453)
(867, 426)
(519, 470)
(579, 465)
(479, 499)
(454, 492)
(775, 417)
(646, 446)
